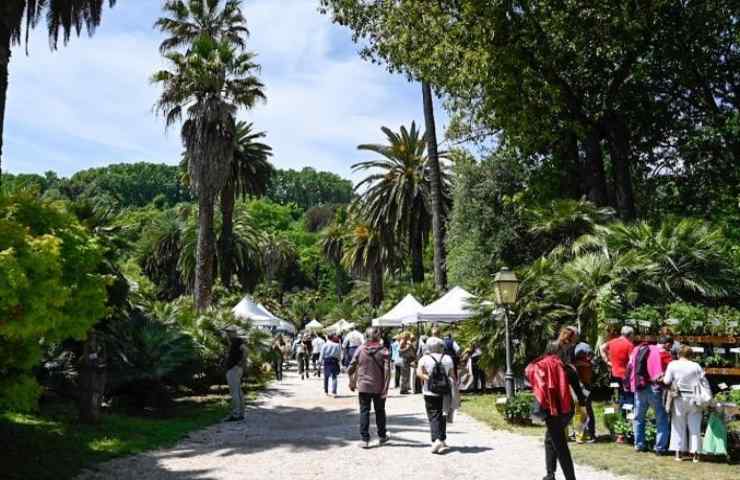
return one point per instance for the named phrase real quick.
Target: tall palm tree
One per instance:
(399, 190)
(208, 84)
(438, 228)
(250, 173)
(18, 17)
(332, 246)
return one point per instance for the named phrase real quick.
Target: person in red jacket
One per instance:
(550, 382)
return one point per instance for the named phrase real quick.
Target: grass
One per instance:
(51, 444)
(606, 455)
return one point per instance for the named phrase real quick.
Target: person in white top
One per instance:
(352, 342)
(316, 345)
(435, 402)
(683, 376)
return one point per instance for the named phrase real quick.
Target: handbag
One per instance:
(702, 393)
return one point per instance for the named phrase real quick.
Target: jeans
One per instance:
(331, 370)
(234, 379)
(405, 376)
(625, 398)
(645, 398)
(437, 419)
(302, 364)
(397, 376)
(379, 405)
(316, 366)
(277, 365)
(556, 447)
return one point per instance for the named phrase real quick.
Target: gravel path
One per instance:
(295, 432)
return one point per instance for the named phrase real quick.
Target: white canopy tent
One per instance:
(314, 325)
(286, 327)
(340, 327)
(452, 307)
(405, 312)
(255, 314)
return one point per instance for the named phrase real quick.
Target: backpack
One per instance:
(638, 370)
(439, 382)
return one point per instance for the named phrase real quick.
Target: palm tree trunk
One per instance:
(205, 252)
(226, 242)
(4, 63)
(440, 273)
(376, 285)
(92, 381)
(416, 242)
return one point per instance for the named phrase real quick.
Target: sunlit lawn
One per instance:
(52, 445)
(606, 455)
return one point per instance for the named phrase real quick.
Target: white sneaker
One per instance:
(437, 446)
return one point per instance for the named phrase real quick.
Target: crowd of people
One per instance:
(661, 377)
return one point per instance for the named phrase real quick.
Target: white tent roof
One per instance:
(287, 327)
(340, 326)
(314, 325)
(255, 314)
(453, 307)
(405, 311)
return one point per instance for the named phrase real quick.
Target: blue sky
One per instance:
(90, 104)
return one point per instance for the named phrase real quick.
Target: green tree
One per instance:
(209, 84)
(50, 289)
(250, 173)
(398, 191)
(18, 17)
(366, 254)
(308, 188)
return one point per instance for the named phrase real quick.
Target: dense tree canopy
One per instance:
(309, 188)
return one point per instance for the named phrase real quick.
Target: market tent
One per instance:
(406, 311)
(255, 314)
(340, 327)
(286, 327)
(453, 307)
(314, 325)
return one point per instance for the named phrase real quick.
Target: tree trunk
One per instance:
(376, 285)
(416, 244)
(205, 251)
(92, 381)
(570, 181)
(594, 169)
(226, 242)
(440, 272)
(619, 152)
(4, 63)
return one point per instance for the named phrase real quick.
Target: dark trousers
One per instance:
(556, 447)
(437, 419)
(379, 405)
(277, 365)
(591, 423)
(397, 376)
(331, 370)
(479, 378)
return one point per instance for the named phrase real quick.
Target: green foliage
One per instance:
(308, 188)
(50, 288)
(518, 410)
(690, 318)
(20, 393)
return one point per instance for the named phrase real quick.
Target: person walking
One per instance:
(370, 374)
(352, 342)
(479, 375)
(436, 371)
(584, 364)
(278, 347)
(644, 378)
(235, 361)
(407, 352)
(684, 376)
(330, 356)
(300, 349)
(316, 345)
(551, 387)
(616, 354)
(397, 361)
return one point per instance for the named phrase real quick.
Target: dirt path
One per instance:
(295, 432)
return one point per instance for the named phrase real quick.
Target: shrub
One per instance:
(518, 410)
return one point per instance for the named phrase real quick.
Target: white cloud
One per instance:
(90, 103)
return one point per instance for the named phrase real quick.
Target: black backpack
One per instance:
(439, 382)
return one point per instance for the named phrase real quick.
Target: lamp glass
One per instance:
(506, 287)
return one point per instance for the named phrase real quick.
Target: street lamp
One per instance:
(506, 288)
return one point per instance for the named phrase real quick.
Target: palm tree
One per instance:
(399, 190)
(187, 20)
(438, 229)
(208, 84)
(250, 174)
(332, 246)
(365, 254)
(18, 17)
(277, 254)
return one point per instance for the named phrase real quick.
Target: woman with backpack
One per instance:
(436, 371)
(688, 386)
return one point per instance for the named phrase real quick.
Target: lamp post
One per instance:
(506, 288)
